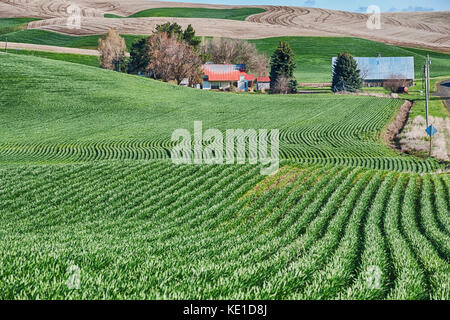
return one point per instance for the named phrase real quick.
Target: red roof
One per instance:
(263, 79)
(228, 76)
(224, 72)
(250, 77)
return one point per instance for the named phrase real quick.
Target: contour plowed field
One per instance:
(158, 231)
(341, 130)
(420, 29)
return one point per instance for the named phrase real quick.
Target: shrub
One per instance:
(395, 83)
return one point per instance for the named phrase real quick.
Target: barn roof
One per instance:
(262, 79)
(250, 77)
(380, 68)
(224, 72)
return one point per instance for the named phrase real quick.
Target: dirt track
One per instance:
(421, 29)
(38, 47)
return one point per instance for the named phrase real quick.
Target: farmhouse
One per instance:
(224, 76)
(376, 70)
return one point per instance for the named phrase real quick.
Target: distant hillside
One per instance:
(313, 54)
(418, 29)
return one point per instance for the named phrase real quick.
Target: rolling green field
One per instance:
(87, 184)
(49, 38)
(152, 230)
(230, 14)
(8, 25)
(115, 119)
(313, 55)
(92, 61)
(417, 95)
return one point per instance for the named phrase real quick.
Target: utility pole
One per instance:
(427, 86)
(430, 129)
(431, 139)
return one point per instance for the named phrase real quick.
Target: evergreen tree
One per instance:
(139, 56)
(346, 75)
(172, 29)
(189, 36)
(283, 64)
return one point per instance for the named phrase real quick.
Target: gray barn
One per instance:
(376, 70)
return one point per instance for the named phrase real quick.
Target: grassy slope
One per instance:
(68, 57)
(416, 94)
(313, 55)
(8, 25)
(8, 22)
(56, 39)
(230, 14)
(203, 231)
(87, 106)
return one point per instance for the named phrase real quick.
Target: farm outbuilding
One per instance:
(376, 70)
(263, 83)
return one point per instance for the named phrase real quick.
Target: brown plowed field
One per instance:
(417, 29)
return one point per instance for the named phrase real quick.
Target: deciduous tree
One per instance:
(222, 50)
(112, 51)
(171, 59)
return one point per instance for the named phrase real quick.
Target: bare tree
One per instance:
(395, 83)
(112, 50)
(282, 85)
(364, 73)
(172, 59)
(223, 50)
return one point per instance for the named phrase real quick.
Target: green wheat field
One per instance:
(86, 180)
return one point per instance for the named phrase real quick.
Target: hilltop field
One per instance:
(87, 181)
(423, 29)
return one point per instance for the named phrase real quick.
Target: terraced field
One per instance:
(87, 184)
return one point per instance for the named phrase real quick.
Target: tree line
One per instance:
(174, 54)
